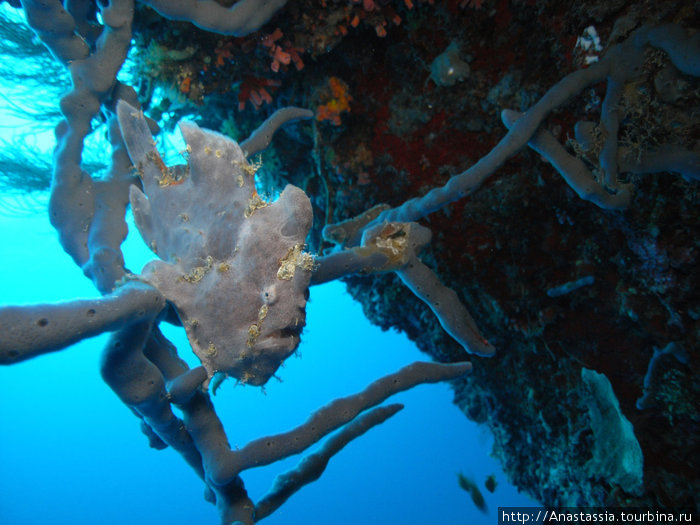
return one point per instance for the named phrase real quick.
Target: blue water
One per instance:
(71, 453)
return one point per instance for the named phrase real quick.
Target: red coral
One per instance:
(253, 90)
(282, 55)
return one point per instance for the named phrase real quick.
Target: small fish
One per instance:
(471, 487)
(490, 483)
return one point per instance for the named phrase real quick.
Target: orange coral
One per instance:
(338, 102)
(223, 53)
(282, 55)
(185, 84)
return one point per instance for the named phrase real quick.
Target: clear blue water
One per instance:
(72, 454)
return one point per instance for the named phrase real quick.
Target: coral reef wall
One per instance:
(525, 233)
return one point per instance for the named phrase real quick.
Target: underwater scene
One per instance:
(349, 261)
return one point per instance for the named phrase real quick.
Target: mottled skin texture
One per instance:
(231, 263)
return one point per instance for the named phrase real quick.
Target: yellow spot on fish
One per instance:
(295, 258)
(256, 202)
(198, 272)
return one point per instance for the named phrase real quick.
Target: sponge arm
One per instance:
(32, 330)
